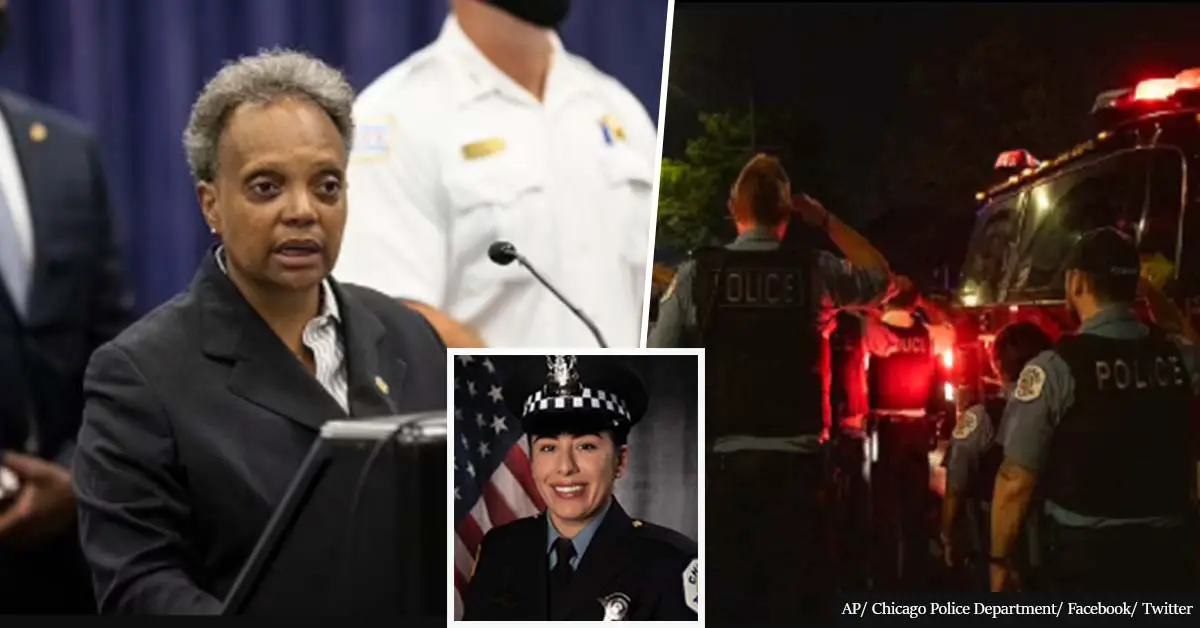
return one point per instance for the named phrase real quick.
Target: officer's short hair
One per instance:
(1110, 260)
(265, 77)
(763, 186)
(1016, 345)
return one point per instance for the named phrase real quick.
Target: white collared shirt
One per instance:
(452, 155)
(323, 337)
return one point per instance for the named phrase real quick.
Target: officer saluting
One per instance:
(1102, 426)
(583, 559)
(976, 452)
(763, 312)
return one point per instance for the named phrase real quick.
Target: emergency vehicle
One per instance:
(1134, 175)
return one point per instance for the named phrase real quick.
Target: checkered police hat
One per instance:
(567, 394)
(1105, 251)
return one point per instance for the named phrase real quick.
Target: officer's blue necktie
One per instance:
(14, 269)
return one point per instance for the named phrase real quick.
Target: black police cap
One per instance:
(1107, 252)
(567, 394)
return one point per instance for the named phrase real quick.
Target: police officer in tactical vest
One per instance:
(974, 458)
(762, 313)
(901, 387)
(1101, 425)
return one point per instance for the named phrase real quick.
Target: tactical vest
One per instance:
(904, 379)
(984, 482)
(764, 356)
(1123, 449)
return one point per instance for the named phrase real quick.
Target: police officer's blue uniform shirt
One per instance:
(580, 541)
(1046, 391)
(842, 285)
(972, 437)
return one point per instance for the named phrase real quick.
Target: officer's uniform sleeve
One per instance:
(395, 239)
(846, 284)
(676, 311)
(971, 438)
(1044, 392)
(1191, 360)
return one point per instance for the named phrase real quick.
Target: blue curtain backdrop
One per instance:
(131, 68)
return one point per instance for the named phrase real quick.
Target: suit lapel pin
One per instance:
(38, 132)
(616, 606)
(637, 523)
(381, 385)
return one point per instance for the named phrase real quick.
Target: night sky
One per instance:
(847, 67)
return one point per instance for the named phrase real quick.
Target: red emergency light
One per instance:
(1149, 96)
(1155, 89)
(1018, 159)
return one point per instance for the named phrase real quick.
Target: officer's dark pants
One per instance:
(766, 543)
(901, 504)
(1119, 559)
(851, 502)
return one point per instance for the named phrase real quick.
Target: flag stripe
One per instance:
(493, 479)
(518, 463)
(470, 536)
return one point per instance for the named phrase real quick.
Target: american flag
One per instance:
(493, 483)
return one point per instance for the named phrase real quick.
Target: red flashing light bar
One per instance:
(1155, 89)
(1016, 160)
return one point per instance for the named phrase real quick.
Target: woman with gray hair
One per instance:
(198, 416)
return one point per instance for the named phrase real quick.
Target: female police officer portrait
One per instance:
(198, 416)
(582, 557)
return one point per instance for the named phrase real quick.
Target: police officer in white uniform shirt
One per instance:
(494, 132)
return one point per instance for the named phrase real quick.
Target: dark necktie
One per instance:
(564, 551)
(560, 575)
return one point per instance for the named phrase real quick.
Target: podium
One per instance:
(348, 540)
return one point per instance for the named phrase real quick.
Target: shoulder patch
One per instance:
(691, 586)
(967, 424)
(374, 137)
(1029, 385)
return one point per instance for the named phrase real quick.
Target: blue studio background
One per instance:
(131, 68)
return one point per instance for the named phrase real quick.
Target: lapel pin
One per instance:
(637, 524)
(381, 385)
(37, 132)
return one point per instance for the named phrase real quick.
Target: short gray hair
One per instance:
(270, 75)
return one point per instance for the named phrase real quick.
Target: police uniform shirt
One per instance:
(628, 569)
(972, 437)
(1046, 391)
(580, 542)
(841, 285)
(451, 155)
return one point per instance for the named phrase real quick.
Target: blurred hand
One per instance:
(810, 210)
(44, 507)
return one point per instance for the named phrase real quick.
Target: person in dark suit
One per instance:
(584, 558)
(199, 415)
(62, 294)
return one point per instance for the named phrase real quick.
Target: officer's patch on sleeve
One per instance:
(967, 424)
(691, 586)
(1029, 385)
(373, 138)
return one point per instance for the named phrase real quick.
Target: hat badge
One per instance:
(562, 378)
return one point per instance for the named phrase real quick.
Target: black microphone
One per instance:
(504, 253)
